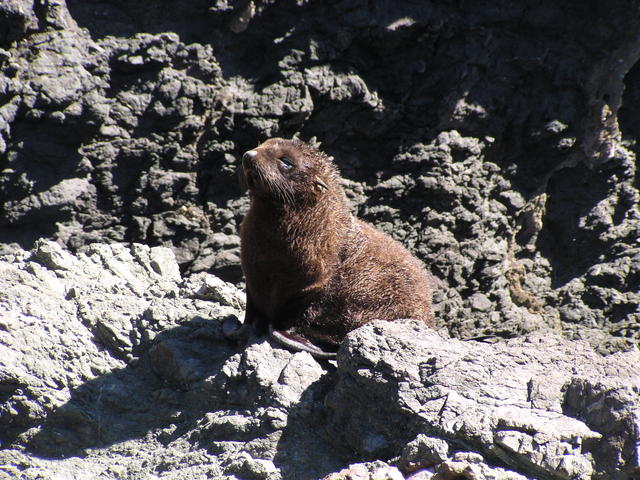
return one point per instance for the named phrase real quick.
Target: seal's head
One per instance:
(288, 171)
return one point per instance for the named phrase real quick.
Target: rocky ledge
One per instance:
(112, 366)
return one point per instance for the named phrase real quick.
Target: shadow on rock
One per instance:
(610, 409)
(258, 410)
(140, 399)
(271, 420)
(305, 449)
(263, 434)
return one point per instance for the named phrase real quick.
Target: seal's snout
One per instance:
(248, 157)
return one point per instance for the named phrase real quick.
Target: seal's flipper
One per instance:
(234, 330)
(296, 342)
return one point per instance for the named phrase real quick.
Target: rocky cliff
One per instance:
(495, 140)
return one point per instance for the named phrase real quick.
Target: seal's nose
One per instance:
(248, 157)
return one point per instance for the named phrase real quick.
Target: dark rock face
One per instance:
(483, 136)
(486, 137)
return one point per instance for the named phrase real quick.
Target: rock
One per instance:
(113, 132)
(367, 471)
(163, 261)
(472, 466)
(124, 122)
(210, 287)
(52, 256)
(80, 317)
(482, 395)
(422, 452)
(111, 363)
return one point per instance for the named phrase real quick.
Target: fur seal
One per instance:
(313, 271)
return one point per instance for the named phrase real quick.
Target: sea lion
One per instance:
(313, 271)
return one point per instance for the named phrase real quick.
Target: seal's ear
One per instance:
(319, 185)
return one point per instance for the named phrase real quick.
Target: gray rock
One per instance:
(52, 256)
(367, 471)
(163, 261)
(486, 396)
(125, 122)
(210, 287)
(471, 465)
(112, 365)
(85, 315)
(422, 452)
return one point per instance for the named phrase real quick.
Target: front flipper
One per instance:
(254, 324)
(296, 342)
(239, 332)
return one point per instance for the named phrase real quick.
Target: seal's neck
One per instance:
(290, 220)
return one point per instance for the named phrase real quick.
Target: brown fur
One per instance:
(312, 269)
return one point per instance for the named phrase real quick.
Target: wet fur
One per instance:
(313, 271)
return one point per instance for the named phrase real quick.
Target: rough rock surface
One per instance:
(113, 366)
(496, 140)
(541, 405)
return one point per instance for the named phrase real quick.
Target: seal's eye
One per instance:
(286, 163)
